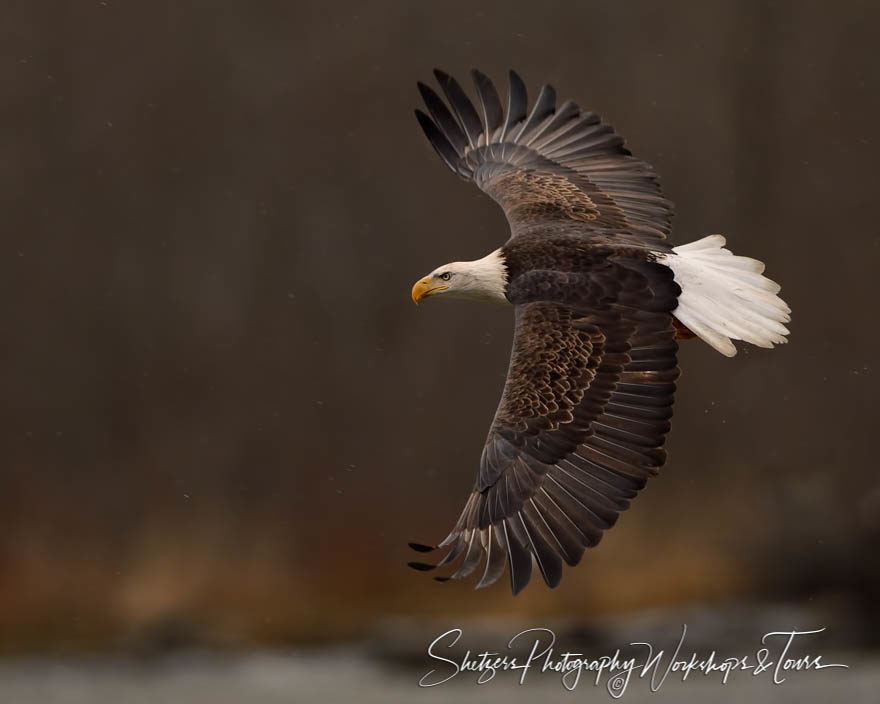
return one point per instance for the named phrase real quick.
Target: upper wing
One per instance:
(581, 423)
(547, 166)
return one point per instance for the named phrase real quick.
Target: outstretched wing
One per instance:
(581, 423)
(546, 166)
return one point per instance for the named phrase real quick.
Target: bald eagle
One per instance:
(599, 297)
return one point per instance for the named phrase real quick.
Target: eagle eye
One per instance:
(445, 276)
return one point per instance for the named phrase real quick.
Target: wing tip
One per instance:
(421, 566)
(515, 588)
(420, 547)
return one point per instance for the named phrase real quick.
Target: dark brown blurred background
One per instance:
(223, 417)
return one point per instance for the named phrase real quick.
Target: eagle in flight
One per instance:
(600, 297)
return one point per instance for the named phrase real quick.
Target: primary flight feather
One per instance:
(599, 298)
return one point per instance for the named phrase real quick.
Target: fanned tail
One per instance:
(725, 297)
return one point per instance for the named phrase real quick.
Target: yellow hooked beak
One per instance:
(423, 288)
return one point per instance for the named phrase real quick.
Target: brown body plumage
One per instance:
(585, 410)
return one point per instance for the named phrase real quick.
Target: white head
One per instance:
(483, 279)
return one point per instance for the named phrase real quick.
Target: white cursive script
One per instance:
(776, 658)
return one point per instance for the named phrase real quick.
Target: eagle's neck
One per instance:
(487, 277)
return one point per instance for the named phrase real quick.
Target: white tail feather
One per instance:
(725, 297)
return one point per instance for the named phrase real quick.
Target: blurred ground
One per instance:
(340, 676)
(388, 666)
